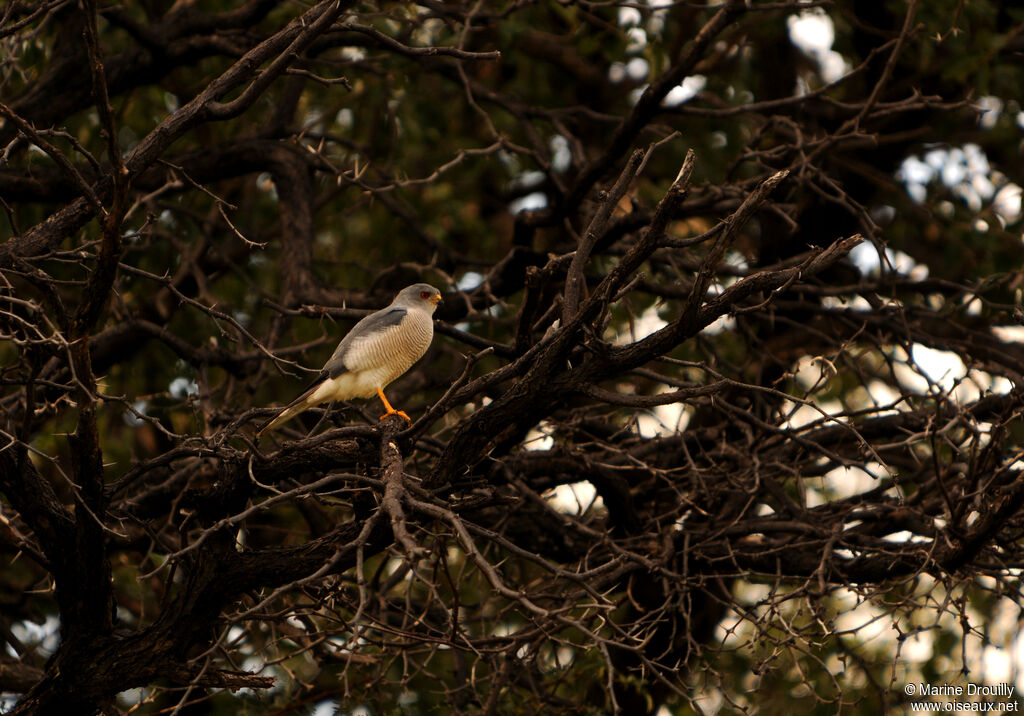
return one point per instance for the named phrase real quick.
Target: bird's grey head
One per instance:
(419, 295)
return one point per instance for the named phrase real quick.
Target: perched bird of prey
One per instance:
(377, 350)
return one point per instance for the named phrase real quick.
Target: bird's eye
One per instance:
(424, 295)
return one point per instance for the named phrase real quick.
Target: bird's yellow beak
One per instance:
(436, 299)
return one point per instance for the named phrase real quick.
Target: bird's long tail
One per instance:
(290, 411)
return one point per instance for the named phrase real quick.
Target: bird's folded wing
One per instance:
(373, 326)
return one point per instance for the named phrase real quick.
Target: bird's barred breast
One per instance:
(392, 352)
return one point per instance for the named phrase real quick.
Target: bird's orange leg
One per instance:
(387, 406)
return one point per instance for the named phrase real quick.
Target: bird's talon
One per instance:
(400, 413)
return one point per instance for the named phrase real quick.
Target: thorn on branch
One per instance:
(609, 200)
(731, 227)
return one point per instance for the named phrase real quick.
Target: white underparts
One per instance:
(378, 359)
